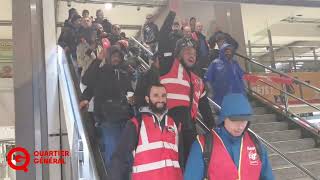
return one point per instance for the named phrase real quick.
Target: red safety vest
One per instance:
(177, 83)
(156, 156)
(221, 165)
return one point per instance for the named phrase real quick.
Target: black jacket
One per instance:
(174, 36)
(150, 32)
(107, 26)
(106, 84)
(69, 37)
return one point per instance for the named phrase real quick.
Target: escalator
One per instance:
(293, 142)
(86, 159)
(284, 129)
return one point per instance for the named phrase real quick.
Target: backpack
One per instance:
(208, 148)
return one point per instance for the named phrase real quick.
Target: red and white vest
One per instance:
(177, 83)
(156, 156)
(221, 165)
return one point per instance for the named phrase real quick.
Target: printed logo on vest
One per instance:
(253, 156)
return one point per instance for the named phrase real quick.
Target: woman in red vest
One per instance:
(229, 152)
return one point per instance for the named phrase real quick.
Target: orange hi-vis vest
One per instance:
(178, 84)
(156, 156)
(221, 165)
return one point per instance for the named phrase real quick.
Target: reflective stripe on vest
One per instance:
(155, 165)
(222, 166)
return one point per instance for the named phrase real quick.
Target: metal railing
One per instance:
(284, 91)
(200, 122)
(288, 58)
(86, 159)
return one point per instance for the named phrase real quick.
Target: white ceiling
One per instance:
(257, 18)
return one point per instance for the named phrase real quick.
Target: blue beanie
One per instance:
(235, 107)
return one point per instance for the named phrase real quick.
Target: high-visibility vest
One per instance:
(156, 156)
(178, 84)
(221, 165)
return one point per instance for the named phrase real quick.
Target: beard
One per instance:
(154, 107)
(190, 68)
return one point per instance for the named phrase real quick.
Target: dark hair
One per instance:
(123, 34)
(76, 17)
(116, 49)
(71, 11)
(220, 36)
(192, 18)
(85, 11)
(212, 42)
(154, 85)
(98, 11)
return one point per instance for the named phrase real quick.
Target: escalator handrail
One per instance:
(73, 93)
(295, 80)
(142, 46)
(305, 102)
(304, 170)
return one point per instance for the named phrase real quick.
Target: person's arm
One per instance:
(266, 169)
(163, 36)
(206, 111)
(163, 44)
(120, 161)
(195, 165)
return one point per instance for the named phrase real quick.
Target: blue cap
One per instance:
(235, 107)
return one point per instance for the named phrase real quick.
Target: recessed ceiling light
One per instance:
(299, 15)
(108, 6)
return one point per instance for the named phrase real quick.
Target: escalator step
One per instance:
(294, 145)
(269, 127)
(304, 156)
(281, 135)
(292, 172)
(264, 118)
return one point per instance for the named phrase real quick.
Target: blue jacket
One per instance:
(224, 76)
(195, 165)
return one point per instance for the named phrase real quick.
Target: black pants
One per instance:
(187, 136)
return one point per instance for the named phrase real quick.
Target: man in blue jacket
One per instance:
(225, 74)
(234, 153)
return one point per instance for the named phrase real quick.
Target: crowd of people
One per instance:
(146, 120)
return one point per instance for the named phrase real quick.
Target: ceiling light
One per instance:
(108, 6)
(300, 62)
(299, 15)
